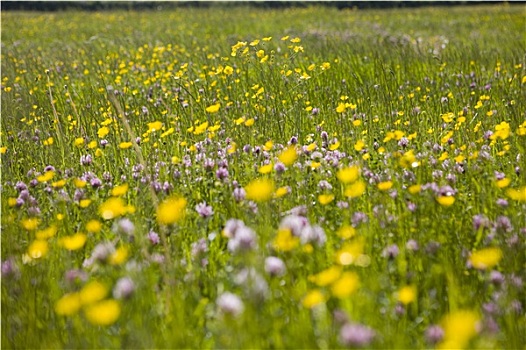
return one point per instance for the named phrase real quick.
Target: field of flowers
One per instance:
(241, 178)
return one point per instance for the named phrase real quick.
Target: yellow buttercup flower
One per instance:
(171, 211)
(349, 174)
(288, 156)
(407, 294)
(73, 242)
(346, 285)
(327, 276)
(93, 292)
(325, 199)
(104, 313)
(112, 208)
(285, 241)
(485, 258)
(68, 305)
(260, 190)
(355, 190)
(313, 298)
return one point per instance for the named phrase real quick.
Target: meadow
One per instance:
(232, 177)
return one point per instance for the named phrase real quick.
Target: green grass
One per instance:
(427, 104)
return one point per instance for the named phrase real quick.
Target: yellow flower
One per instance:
(3, 150)
(78, 142)
(385, 185)
(103, 131)
(459, 327)
(68, 305)
(250, 122)
(30, 224)
(313, 298)
(38, 249)
(325, 199)
(288, 156)
(73, 242)
(346, 232)
(154, 126)
(46, 233)
(125, 145)
(280, 192)
(485, 258)
(359, 145)
(414, 189)
(48, 175)
(327, 276)
(260, 190)
(11, 201)
(201, 128)
(171, 210)
(407, 294)
(285, 241)
(104, 313)
(445, 201)
(118, 191)
(79, 183)
(503, 182)
(355, 190)
(517, 195)
(93, 226)
(84, 203)
(112, 208)
(228, 70)
(346, 285)
(92, 292)
(341, 108)
(350, 252)
(213, 108)
(119, 256)
(58, 184)
(348, 175)
(265, 169)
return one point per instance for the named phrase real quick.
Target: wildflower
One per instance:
(346, 232)
(46, 233)
(275, 266)
(445, 201)
(351, 252)
(434, 334)
(517, 194)
(204, 210)
(244, 239)
(485, 258)
(30, 224)
(92, 292)
(124, 288)
(355, 190)
(154, 238)
(459, 327)
(348, 175)
(119, 191)
(68, 305)
(384, 186)
(230, 304)
(93, 226)
(327, 276)
(260, 190)
(313, 298)
(352, 334)
(325, 199)
(125, 145)
(124, 226)
(104, 313)
(112, 208)
(37, 249)
(346, 285)
(119, 256)
(213, 108)
(171, 210)
(285, 241)
(407, 294)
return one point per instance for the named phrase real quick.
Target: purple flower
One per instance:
(279, 167)
(239, 194)
(434, 334)
(352, 334)
(124, 226)
(359, 218)
(391, 251)
(204, 211)
(154, 238)
(480, 221)
(412, 245)
(222, 173)
(275, 266)
(230, 304)
(9, 268)
(86, 159)
(244, 239)
(124, 288)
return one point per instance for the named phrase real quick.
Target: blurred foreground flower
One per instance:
(171, 210)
